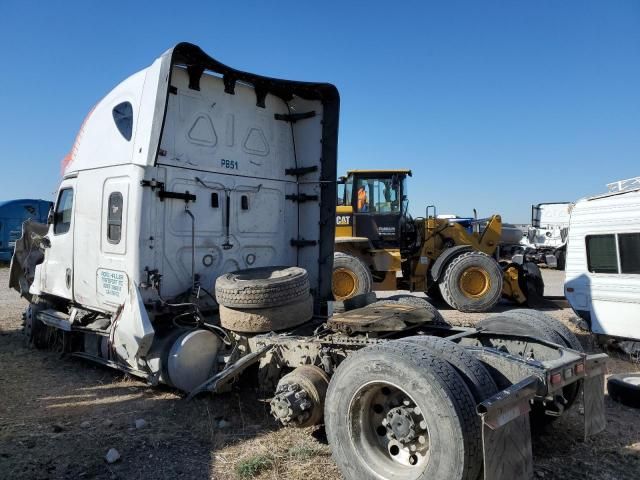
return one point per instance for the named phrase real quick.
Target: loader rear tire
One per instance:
(396, 410)
(350, 277)
(531, 283)
(472, 282)
(263, 320)
(262, 287)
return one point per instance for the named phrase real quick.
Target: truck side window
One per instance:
(114, 218)
(602, 256)
(123, 118)
(64, 209)
(629, 247)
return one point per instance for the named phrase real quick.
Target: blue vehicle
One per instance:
(12, 214)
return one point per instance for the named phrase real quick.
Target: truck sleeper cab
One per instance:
(178, 176)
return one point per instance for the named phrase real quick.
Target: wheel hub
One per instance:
(475, 282)
(345, 283)
(401, 424)
(392, 430)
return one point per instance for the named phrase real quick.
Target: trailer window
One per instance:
(602, 256)
(62, 215)
(114, 218)
(123, 118)
(629, 247)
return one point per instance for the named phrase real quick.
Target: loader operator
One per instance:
(362, 199)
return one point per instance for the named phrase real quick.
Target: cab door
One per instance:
(58, 260)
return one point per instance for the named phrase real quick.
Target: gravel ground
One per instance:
(59, 416)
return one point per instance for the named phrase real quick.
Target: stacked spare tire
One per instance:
(265, 299)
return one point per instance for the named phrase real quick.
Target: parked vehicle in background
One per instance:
(381, 247)
(546, 239)
(12, 214)
(603, 260)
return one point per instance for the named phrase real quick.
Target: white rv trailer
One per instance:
(603, 261)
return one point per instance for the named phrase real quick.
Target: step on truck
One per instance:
(191, 244)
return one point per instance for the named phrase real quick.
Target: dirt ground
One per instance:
(59, 416)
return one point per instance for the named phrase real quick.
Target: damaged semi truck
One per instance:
(193, 238)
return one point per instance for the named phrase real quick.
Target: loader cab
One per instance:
(372, 204)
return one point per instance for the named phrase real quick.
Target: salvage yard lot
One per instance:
(59, 416)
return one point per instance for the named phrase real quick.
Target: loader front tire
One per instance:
(350, 277)
(472, 282)
(396, 410)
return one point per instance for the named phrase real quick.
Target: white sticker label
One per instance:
(113, 284)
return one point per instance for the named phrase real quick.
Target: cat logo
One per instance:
(343, 219)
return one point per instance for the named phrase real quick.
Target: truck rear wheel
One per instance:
(475, 375)
(350, 277)
(395, 410)
(519, 323)
(567, 335)
(472, 282)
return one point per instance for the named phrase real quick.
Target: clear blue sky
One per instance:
(493, 105)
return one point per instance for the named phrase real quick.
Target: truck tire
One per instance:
(438, 319)
(350, 277)
(474, 374)
(271, 319)
(388, 398)
(521, 325)
(534, 327)
(472, 282)
(569, 338)
(262, 287)
(625, 388)
(36, 332)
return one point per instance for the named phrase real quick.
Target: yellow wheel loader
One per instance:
(379, 246)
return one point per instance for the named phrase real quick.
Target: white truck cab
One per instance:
(191, 173)
(602, 281)
(186, 170)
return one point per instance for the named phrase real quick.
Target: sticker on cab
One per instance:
(113, 284)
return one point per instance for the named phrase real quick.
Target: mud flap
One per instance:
(593, 394)
(506, 433)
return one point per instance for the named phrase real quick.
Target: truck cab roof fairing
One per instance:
(197, 61)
